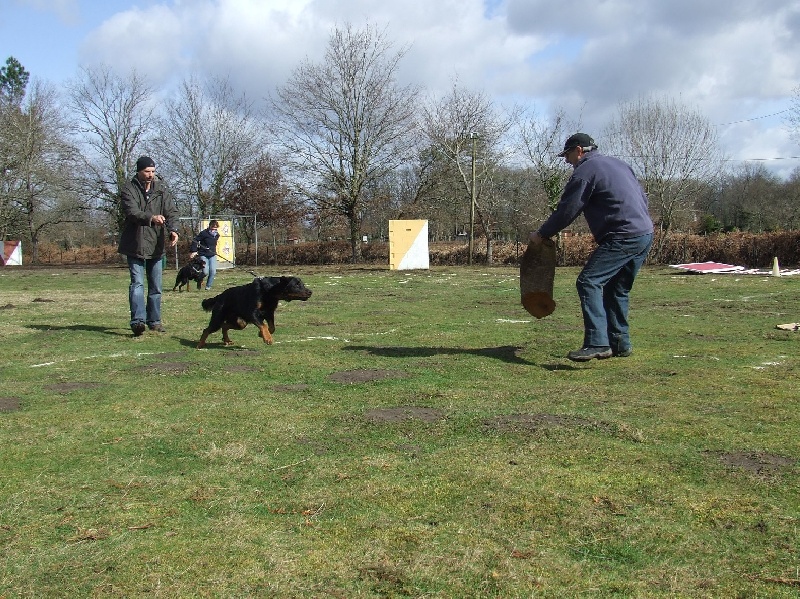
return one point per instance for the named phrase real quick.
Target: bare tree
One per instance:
(467, 131)
(524, 202)
(426, 191)
(260, 191)
(113, 117)
(541, 140)
(752, 199)
(345, 122)
(792, 119)
(40, 183)
(207, 135)
(790, 205)
(674, 151)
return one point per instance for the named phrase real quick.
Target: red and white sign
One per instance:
(708, 267)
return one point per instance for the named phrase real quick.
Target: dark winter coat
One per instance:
(139, 238)
(204, 243)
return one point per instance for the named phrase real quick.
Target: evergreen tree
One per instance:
(13, 81)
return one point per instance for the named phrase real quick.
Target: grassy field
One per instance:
(409, 434)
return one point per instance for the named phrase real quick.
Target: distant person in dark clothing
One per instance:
(204, 245)
(614, 205)
(151, 224)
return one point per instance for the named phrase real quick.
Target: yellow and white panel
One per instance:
(408, 244)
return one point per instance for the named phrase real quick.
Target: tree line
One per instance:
(341, 148)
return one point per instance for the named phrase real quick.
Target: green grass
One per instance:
(144, 467)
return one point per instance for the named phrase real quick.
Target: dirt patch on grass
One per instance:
(365, 376)
(317, 446)
(534, 422)
(760, 464)
(166, 367)
(9, 404)
(170, 355)
(70, 387)
(402, 413)
(242, 353)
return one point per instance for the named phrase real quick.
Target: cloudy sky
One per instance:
(737, 61)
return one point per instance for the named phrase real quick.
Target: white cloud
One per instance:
(151, 41)
(731, 59)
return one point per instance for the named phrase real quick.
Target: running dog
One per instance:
(253, 303)
(193, 271)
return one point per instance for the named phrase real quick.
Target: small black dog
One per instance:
(255, 303)
(193, 271)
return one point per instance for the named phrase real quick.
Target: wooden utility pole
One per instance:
(472, 203)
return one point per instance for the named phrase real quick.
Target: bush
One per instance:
(743, 249)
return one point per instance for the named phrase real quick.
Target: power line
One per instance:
(761, 159)
(755, 118)
(626, 157)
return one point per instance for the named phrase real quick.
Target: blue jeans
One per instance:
(150, 312)
(210, 269)
(603, 287)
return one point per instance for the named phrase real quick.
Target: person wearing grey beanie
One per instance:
(150, 226)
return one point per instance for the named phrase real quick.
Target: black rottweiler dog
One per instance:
(255, 303)
(193, 271)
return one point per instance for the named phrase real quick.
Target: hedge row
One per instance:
(743, 249)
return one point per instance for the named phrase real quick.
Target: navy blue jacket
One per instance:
(204, 243)
(609, 195)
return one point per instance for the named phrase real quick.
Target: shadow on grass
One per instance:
(236, 349)
(120, 333)
(506, 353)
(83, 327)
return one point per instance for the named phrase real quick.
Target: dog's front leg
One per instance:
(202, 343)
(264, 330)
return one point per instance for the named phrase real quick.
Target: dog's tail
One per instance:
(209, 302)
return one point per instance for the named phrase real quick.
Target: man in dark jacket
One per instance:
(204, 245)
(150, 213)
(614, 204)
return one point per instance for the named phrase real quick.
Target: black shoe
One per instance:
(158, 328)
(137, 328)
(590, 353)
(623, 353)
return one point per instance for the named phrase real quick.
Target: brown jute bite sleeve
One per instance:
(537, 272)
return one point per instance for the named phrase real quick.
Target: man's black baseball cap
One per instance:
(578, 139)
